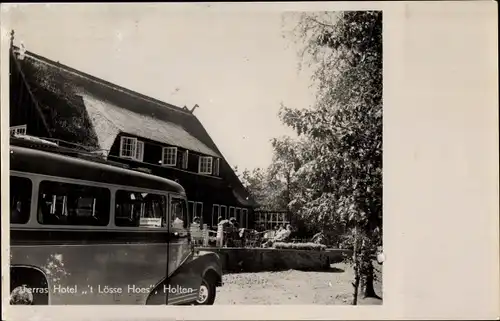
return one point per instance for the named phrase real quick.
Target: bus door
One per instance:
(181, 286)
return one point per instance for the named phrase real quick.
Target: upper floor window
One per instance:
(169, 156)
(205, 165)
(139, 155)
(131, 148)
(18, 130)
(216, 166)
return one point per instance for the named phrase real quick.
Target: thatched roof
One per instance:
(114, 109)
(111, 109)
(109, 119)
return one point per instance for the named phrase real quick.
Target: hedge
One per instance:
(299, 246)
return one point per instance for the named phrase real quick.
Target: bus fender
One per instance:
(33, 278)
(188, 277)
(212, 266)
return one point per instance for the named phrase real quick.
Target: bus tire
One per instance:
(21, 280)
(208, 290)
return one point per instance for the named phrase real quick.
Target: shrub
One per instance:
(299, 246)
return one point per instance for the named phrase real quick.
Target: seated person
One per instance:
(234, 222)
(16, 216)
(281, 236)
(178, 223)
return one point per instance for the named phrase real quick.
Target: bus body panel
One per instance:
(87, 274)
(178, 252)
(45, 163)
(104, 264)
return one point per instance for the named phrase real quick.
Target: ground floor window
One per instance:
(223, 212)
(195, 210)
(215, 214)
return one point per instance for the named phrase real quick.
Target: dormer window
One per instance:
(169, 156)
(131, 148)
(205, 165)
(18, 130)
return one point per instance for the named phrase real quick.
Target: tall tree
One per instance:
(343, 167)
(269, 192)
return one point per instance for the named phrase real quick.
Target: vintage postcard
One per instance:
(267, 161)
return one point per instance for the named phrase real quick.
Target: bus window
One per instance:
(191, 210)
(20, 199)
(139, 209)
(73, 204)
(178, 213)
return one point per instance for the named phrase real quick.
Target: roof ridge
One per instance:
(105, 83)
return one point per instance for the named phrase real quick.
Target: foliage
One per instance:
(299, 246)
(268, 191)
(340, 171)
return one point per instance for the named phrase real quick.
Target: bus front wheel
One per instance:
(207, 292)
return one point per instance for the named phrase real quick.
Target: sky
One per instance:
(236, 65)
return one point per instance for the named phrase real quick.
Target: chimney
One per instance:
(194, 107)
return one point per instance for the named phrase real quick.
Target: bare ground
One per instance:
(294, 287)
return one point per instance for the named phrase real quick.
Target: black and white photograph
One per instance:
(232, 159)
(212, 155)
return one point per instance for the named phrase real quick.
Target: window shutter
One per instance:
(210, 164)
(139, 151)
(217, 167)
(214, 166)
(185, 160)
(122, 146)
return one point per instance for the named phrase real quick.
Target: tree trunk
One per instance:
(356, 286)
(369, 290)
(288, 197)
(356, 268)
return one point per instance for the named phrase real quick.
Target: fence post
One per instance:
(205, 235)
(220, 235)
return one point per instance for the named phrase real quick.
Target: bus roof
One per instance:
(36, 161)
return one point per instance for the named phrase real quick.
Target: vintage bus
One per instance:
(84, 231)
